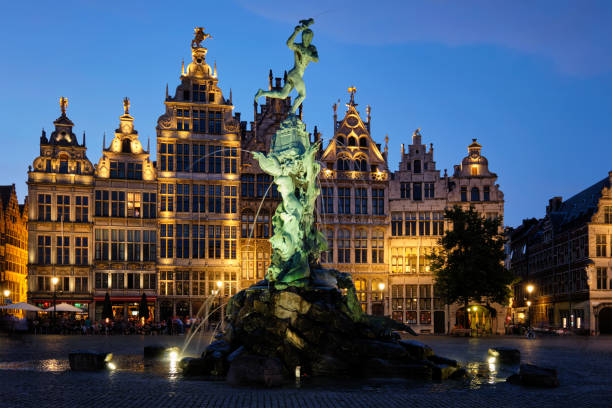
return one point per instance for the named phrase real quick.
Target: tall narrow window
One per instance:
(417, 191)
(327, 200)
(81, 208)
(102, 245)
(182, 240)
(607, 214)
(63, 208)
(475, 194)
(601, 245)
(361, 246)
(438, 223)
(397, 222)
(118, 204)
(215, 154)
(411, 227)
(229, 242)
(198, 203)
(417, 166)
(344, 246)
(214, 198)
(182, 197)
(344, 200)
(429, 190)
(117, 245)
(361, 200)
(149, 205)
(198, 158)
(44, 207)
(214, 241)
(378, 201)
(602, 278)
(378, 246)
(342, 165)
(81, 250)
(134, 171)
(44, 249)
(247, 185)
(464, 194)
(230, 165)
(486, 194)
(404, 190)
(182, 157)
(133, 204)
(230, 199)
(133, 245)
(198, 241)
(102, 203)
(149, 245)
(424, 223)
(166, 240)
(166, 193)
(166, 156)
(63, 250)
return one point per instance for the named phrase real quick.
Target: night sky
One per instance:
(531, 80)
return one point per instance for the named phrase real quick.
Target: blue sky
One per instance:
(531, 80)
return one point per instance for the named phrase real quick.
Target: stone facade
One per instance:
(60, 197)
(213, 207)
(418, 199)
(198, 170)
(567, 258)
(125, 223)
(13, 245)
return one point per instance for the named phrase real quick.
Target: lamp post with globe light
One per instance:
(5, 293)
(530, 289)
(54, 281)
(381, 287)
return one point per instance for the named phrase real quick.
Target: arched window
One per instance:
(344, 246)
(328, 256)
(342, 165)
(341, 141)
(363, 141)
(352, 141)
(375, 287)
(361, 164)
(262, 229)
(475, 194)
(474, 170)
(361, 287)
(378, 246)
(361, 246)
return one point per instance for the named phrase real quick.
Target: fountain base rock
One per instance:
(317, 329)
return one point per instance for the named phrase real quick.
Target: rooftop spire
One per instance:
(83, 138)
(104, 141)
(215, 71)
(166, 90)
(270, 77)
(183, 68)
(352, 91)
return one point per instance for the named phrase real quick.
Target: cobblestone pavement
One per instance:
(34, 373)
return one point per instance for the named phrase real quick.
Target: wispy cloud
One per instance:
(575, 35)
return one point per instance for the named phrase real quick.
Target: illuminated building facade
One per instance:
(353, 206)
(13, 245)
(418, 198)
(567, 258)
(60, 225)
(125, 224)
(198, 170)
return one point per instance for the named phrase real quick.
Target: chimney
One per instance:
(554, 204)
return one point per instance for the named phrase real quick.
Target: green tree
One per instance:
(469, 266)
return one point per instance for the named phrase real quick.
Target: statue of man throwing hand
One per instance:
(304, 53)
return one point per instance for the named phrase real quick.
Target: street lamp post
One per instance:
(529, 291)
(6, 293)
(381, 287)
(54, 281)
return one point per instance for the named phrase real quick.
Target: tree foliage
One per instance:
(470, 264)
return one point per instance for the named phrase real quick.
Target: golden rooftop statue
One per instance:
(352, 91)
(199, 36)
(63, 104)
(126, 105)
